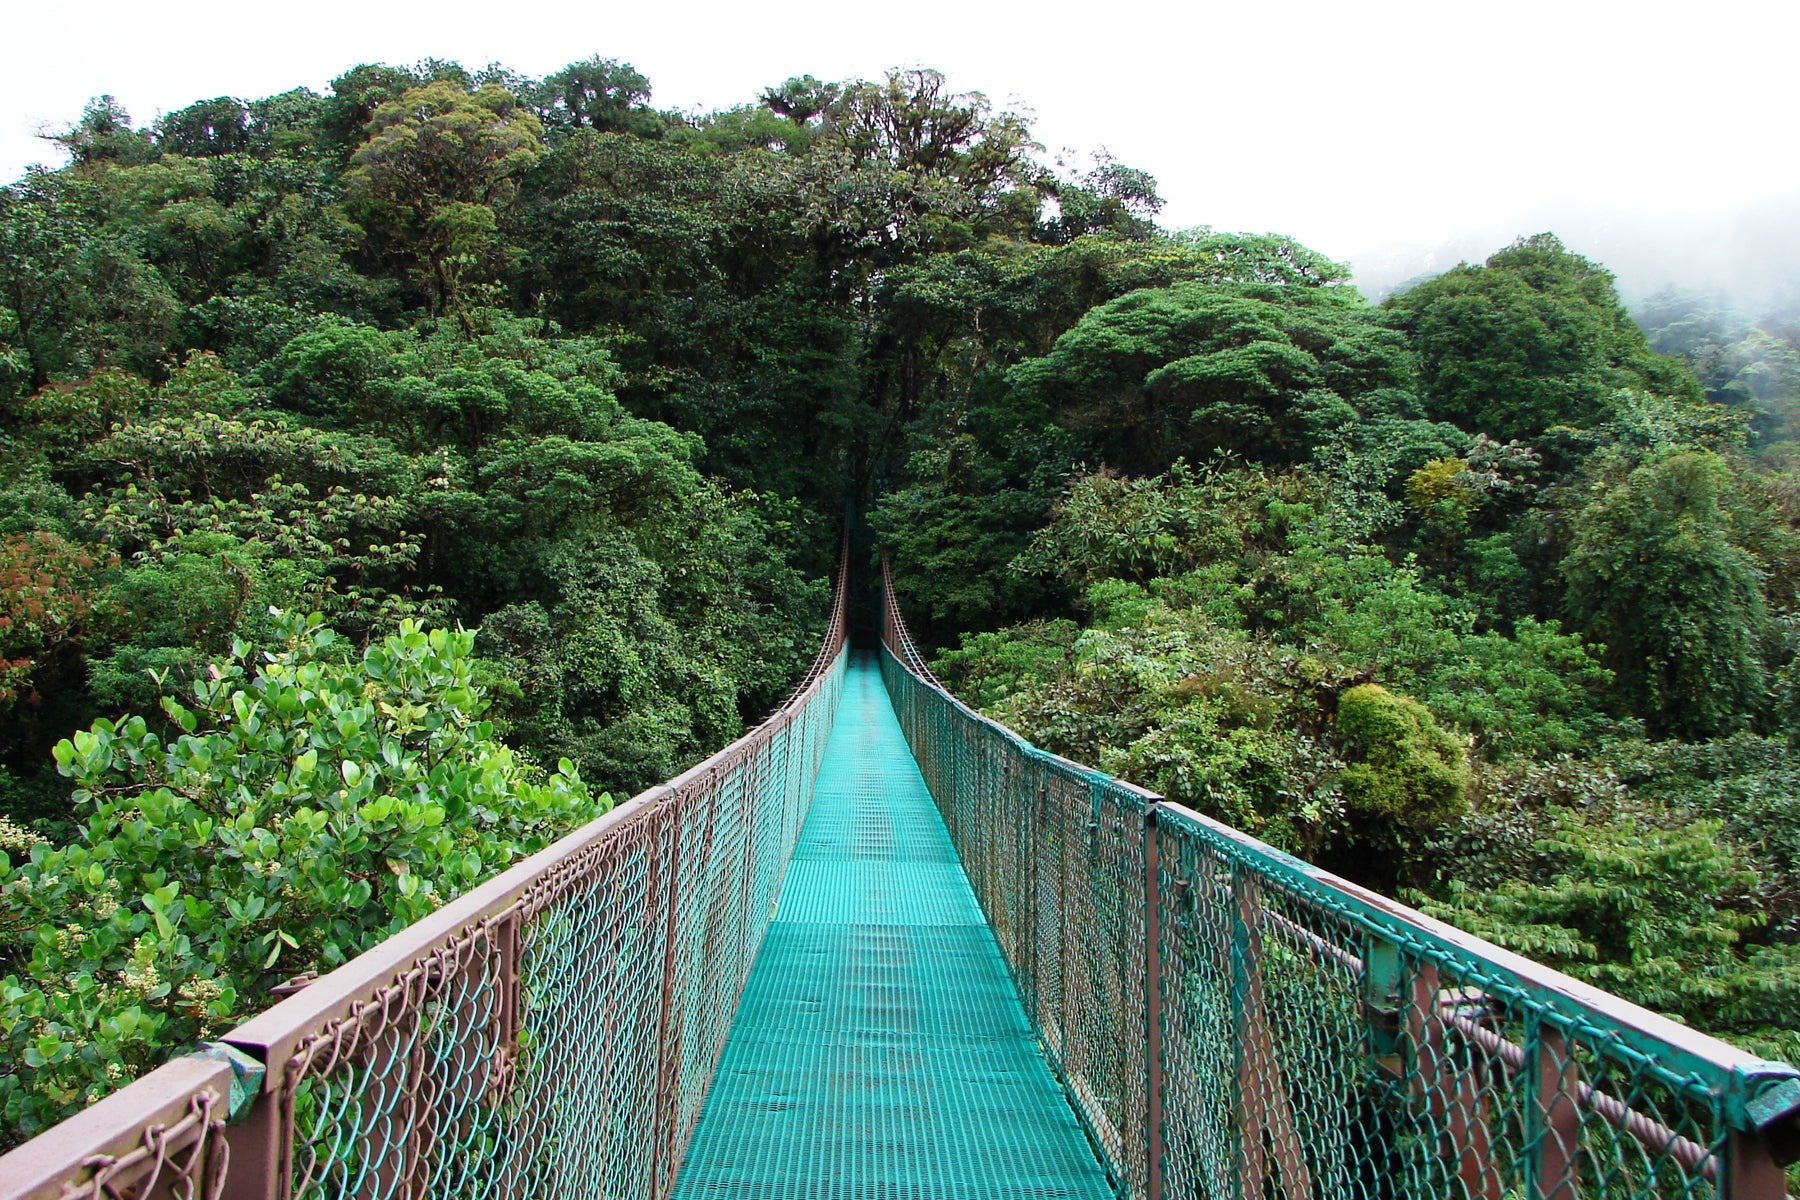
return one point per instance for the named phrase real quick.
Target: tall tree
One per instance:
(1535, 337)
(438, 162)
(1656, 572)
(1257, 368)
(602, 94)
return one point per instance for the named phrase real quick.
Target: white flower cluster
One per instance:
(16, 837)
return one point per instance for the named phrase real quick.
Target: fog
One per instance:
(1749, 258)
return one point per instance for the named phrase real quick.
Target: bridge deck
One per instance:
(880, 1050)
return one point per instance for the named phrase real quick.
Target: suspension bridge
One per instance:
(881, 948)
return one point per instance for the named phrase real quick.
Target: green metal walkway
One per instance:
(879, 1051)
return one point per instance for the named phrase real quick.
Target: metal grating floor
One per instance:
(879, 1051)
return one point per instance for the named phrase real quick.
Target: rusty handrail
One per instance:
(1397, 967)
(166, 1133)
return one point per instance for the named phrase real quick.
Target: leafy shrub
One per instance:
(1659, 915)
(310, 805)
(1406, 769)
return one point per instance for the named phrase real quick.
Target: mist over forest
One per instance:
(395, 475)
(1746, 258)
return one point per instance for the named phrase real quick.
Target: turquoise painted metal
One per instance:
(1233, 1023)
(959, 966)
(879, 1049)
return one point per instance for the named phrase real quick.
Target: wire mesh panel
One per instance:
(1263, 1034)
(160, 1138)
(563, 1047)
(1231, 1022)
(1055, 853)
(550, 1035)
(1312, 1048)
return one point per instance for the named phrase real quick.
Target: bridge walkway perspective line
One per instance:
(879, 1048)
(881, 947)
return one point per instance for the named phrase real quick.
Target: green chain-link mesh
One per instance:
(1230, 1022)
(560, 1049)
(880, 1050)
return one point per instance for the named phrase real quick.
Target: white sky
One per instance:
(1350, 125)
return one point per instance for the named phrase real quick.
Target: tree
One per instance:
(1535, 337)
(211, 127)
(104, 134)
(1109, 197)
(602, 94)
(1259, 368)
(81, 295)
(800, 98)
(1738, 362)
(903, 164)
(438, 162)
(955, 530)
(1656, 571)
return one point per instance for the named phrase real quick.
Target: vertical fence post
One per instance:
(1472, 1134)
(1447, 1092)
(1751, 1172)
(1068, 1048)
(752, 804)
(1424, 1036)
(1153, 1066)
(255, 1152)
(1252, 1163)
(508, 1018)
(669, 894)
(1268, 1132)
(1553, 1118)
(420, 1107)
(1034, 921)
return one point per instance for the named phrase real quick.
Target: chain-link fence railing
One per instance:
(1231, 1022)
(548, 1036)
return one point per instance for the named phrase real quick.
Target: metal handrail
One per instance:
(1428, 991)
(223, 1122)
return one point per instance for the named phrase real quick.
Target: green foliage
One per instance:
(1170, 701)
(437, 163)
(380, 475)
(1654, 914)
(954, 531)
(1443, 493)
(104, 134)
(309, 804)
(1108, 198)
(78, 291)
(640, 659)
(1536, 337)
(596, 93)
(1261, 368)
(1749, 783)
(1656, 571)
(599, 379)
(1532, 693)
(990, 667)
(1403, 768)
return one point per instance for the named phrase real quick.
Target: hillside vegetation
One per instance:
(391, 477)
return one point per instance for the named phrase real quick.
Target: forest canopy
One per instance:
(517, 418)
